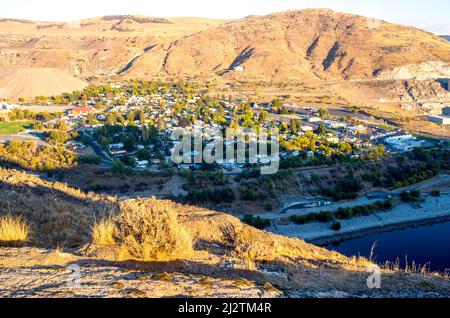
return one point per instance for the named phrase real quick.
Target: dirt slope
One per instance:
(32, 82)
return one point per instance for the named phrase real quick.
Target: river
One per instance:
(422, 245)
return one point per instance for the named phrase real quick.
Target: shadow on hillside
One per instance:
(29, 189)
(91, 179)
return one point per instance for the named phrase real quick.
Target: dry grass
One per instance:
(245, 255)
(149, 230)
(58, 214)
(13, 230)
(103, 232)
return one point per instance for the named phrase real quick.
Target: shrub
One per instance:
(324, 217)
(386, 204)
(119, 167)
(311, 217)
(103, 232)
(410, 196)
(336, 226)
(435, 193)
(344, 213)
(299, 219)
(13, 230)
(149, 230)
(216, 195)
(257, 222)
(28, 155)
(90, 159)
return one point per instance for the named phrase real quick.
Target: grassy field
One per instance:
(14, 127)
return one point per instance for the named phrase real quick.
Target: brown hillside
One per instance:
(32, 82)
(305, 45)
(94, 47)
(299, 45)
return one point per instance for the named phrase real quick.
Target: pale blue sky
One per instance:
(433, 15)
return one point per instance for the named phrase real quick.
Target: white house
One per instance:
(116, 149)
(6, 106)
(142, 164)
(314, 119)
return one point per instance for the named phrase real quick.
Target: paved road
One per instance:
(368, 198)
(106, 160)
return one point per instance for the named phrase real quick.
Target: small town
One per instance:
(182, 151)
(136, 129)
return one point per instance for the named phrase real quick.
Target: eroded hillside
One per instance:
(299, 45)
(94, 47)
(305, 45)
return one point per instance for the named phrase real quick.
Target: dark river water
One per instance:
(422, 245)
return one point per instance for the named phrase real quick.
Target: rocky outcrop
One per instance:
(421, 71)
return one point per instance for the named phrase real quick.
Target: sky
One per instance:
(432, 15)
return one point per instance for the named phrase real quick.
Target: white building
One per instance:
(142, 164)
(116, 149)
(404, 142)
(314, 119)
(441, 120)
(335, 124)
(5, 106)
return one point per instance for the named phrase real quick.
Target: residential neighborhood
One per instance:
(136, 125)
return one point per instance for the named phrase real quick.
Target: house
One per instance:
(314, 119)
(116, 149)
(81, 110)
(335, 124)
(142, 164)
(5, 106)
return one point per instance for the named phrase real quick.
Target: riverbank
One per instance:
(432, 210)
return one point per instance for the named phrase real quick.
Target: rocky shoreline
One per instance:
(432, 211)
